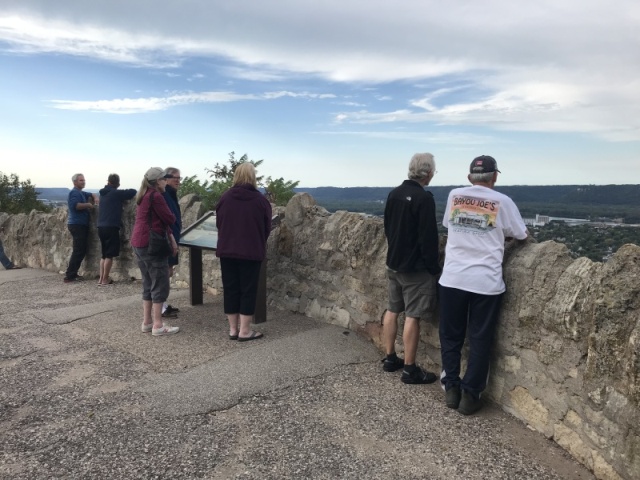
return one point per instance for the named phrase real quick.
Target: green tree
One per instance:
(19, 196)
(280, 191)
(221, 179)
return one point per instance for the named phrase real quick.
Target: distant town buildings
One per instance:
(542, 220)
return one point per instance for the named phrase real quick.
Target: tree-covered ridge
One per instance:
(576, 201)
(596, 243)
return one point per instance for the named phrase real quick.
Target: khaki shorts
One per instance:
(413, 293)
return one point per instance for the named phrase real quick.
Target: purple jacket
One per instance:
(243, 218)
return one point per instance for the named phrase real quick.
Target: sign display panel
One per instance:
(203, 233)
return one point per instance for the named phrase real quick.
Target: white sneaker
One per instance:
(146, 328)
(165, 330)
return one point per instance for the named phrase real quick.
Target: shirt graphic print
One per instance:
(472, 215)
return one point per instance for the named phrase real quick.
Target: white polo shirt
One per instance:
(478, 220)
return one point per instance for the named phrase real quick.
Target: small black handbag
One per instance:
(159, 244)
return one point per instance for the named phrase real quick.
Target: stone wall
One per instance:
(567, 356)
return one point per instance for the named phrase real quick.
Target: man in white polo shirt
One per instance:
(479, 220)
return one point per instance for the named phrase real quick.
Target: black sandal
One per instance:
(254, 336)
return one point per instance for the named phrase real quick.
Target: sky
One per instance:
(327, 93)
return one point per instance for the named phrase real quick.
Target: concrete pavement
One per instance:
(85, 394)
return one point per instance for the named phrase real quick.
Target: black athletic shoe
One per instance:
(452, 397)
(172, 309)
(418, 376)
(469, 404)
(77, 278)
(392, 364)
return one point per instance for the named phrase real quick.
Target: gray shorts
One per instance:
(413, 293)
(155, 276)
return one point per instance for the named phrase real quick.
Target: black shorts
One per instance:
(110, 241)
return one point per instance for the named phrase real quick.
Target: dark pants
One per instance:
(80, 235)
(240, 285)
(461, 311)
(6, 263)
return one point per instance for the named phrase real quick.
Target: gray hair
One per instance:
(171, 170)
(421, 165)
(481, 177)
(75, 177)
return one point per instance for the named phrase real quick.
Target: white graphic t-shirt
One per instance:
(478, 219)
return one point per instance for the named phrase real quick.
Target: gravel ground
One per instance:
(84, 394)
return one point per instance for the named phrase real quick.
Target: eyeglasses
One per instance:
(177, 178)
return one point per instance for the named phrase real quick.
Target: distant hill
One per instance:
(53, 194)
(592, 194)
(577, 201)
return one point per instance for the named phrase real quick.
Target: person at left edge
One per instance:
(80, 207)
(6, 262)
(109, 223)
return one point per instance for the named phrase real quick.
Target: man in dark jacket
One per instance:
(170, 194)
(412, 265)
(109, 222)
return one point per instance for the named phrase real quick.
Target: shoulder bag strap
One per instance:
(150, 208)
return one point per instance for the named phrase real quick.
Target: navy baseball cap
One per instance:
(484, 164)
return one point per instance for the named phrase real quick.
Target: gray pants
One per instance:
(155, 276)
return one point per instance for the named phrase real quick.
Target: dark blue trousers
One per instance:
(462, 312)
(6, 263)
(80, 235)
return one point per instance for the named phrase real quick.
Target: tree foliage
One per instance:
(279, 191)
(19, 196)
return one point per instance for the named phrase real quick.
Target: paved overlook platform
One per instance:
(85, 395)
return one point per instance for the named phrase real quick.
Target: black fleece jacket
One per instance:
(411, 229)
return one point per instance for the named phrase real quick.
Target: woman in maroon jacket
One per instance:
(153, 213)
(243, 218)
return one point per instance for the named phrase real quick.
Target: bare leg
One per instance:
(233, 323)
(410, 337)
(245, 325)
(146, 312)
(389, 331)
(105, 270)
(157, 315)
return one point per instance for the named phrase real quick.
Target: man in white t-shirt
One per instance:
(479, 220)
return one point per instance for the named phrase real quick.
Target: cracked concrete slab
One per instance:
(85, 394)
(218, 384)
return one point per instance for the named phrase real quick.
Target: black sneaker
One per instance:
(418, 376)
(392, 364)
(171, 309)
(77, 278)
(168, 314)
(469, 404)
(452, 397)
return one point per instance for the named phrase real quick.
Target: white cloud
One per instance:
(527, 106)
(537, 66)
(153, 104)
(417, 136)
